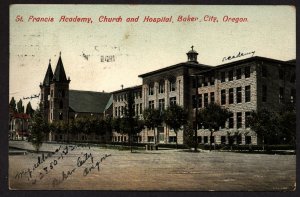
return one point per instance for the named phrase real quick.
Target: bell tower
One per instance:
(59, 94)
(192, 55)
(45, 91)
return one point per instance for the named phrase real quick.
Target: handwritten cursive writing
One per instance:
(240, 54)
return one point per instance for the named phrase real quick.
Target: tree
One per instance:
(29, 109)
(175, 117)
(13, 104)
(212, 117)
(152, 119)
(189, 140)
(20, 107)
(265, 124)
(39, 127)
(287, 126)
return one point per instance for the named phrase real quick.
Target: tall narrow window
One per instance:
(212, 97)
(230, 75)
(141, 108)
(172, 101)
(264, 93)
(161, 104)
(205, 99)
(212, 80)
(161, 87)
(151, 104)
(230, 95)
(238, 94)
(247, 93)
(247, 72)
(151, 89)
(293, 95)
(239, 120)
(238, 73)
(51, 93)
(223, 97)
(230, 121)
(281, 95)
(247, 119)
(222, 76)
(172, 85)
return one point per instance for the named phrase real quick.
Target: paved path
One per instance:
(152, 170)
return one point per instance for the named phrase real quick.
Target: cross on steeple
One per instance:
(192, 47)
(60, 54)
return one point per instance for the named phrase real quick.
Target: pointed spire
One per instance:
(48, 76)
(59, 73)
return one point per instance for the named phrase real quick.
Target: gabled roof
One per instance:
(87, 101)
(109, 103)
(48, 76)
(59, 73)
(183, 64)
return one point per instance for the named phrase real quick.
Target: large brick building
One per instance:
(240, 86)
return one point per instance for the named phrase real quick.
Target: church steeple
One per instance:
(59, 73)
(48, 76)
(192, 55)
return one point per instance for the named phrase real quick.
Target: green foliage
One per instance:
(20, 106)
(153, 118)
(287, 126)
(39, 128)
(13, 104)
(213, 116)
(29, 109)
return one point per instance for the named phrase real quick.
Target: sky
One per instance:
(137, 47)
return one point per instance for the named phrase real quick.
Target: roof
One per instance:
(87, 101)
(59, 73)
(109, 103)
(127, 89)
(183, 64)
(48, 76)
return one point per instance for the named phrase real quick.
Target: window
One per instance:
(151, 89)
(248, 139)
(51, 93)
(222, 76)
(247, 71)
(137, 109)
(212, 97)
(205, 83)
(172, 139)
(223, 139)
(230, 95)
(264, 71)
(119, 138)
(230, 120)
(161, 104)
(61, 105)
(247, 119)
(239, 120)
(205, 99)
(199, 139)
(247, 94)
(172, 85)
(230, 75)
(173, 101)
(151, 104)
(293, 95)
(238, 73)
(212, 80)
(281, 95)
(264, 93)
(238, 94)
(161, 87)
(223, 97)
(122, 110)
(116, 111)
(205, 140)
(281, 73)
(239, 139)
(60, 116)
(141, 108)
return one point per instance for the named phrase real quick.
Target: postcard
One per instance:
(152, 97)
